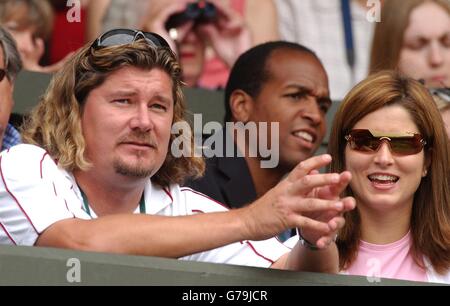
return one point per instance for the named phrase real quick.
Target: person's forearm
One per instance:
(148, 235)
(304, 259)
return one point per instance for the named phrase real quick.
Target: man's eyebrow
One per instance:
(299, 87)
(132, 93)
(123, 93)
(162, 98)
(309, 91)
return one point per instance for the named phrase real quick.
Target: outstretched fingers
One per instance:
(334, 190)
(310, 205)
(307, 183)
(312, 225)
(335, 225)
(305, 167)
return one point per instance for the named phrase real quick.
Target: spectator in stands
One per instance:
(228, 35)
(69, 26)
(204, 58)
(106, 119)
(389, 134)
(10, 66)
(442, 98)
(30, 22)
(339, 34)
(105, 15)
(276, 82)
(414, 37)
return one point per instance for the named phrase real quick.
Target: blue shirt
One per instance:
(11, 137)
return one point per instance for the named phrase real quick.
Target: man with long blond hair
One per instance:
(97, 174)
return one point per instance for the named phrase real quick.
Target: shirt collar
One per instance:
(156, 197)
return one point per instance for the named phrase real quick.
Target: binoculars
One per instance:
(199, 12)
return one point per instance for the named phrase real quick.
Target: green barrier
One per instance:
(46, 266)
(29, 87)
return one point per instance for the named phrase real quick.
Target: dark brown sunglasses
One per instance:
(364, 141)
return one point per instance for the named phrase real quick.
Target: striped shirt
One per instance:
(35, 193)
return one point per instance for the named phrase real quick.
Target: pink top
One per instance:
(215, 71)
(392, 260)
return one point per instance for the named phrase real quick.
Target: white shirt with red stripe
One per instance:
(35, 193)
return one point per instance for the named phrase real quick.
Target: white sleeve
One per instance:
(31, 194)
(246, 253)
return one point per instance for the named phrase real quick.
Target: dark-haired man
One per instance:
(276, 82)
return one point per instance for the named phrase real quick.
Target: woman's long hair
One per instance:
(430, 218)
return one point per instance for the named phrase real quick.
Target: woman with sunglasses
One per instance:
(389, 134)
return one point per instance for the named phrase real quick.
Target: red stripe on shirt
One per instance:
(42, 160)
(198, 211)
(168, 193)
(12, 196)
(7, 234)
(221, 204)
(256, 252)
(54, 189)
(205, 196)
(69, 209)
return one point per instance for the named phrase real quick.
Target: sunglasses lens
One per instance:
(406, 146)
(364, 141)
(119, 37)
(116, 40)
(156, 40)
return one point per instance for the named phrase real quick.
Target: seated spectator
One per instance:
(106, 119)
(276, 82)
(414, 37)
(202, 56)
(30, 22)
(389, 134)
(227, 34)
(69, 25)
(105, 15)
(339, 34)
(10, 66)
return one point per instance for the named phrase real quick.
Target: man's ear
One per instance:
(241, 105)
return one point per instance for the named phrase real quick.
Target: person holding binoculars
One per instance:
(234, 26)
(199, 25)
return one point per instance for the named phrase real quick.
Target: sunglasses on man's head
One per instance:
(400, 144)
(118, 37)
(2, 74)
(443, 93)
